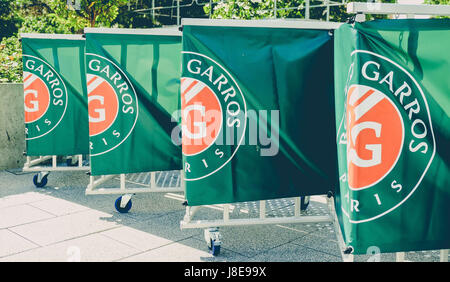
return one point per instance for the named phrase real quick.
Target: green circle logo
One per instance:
(45, 97)
(385, 138)
(213, 116)
(112, 104)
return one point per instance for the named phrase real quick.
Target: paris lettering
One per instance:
(386, 124)
(112, 104)
(212, 109)
(45, 97)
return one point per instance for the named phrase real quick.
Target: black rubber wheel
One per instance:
(69, 162)
(125, 209)
(214, 249)
(40, 184)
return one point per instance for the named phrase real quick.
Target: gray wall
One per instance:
(12, 126)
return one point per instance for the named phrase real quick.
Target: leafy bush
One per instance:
(263, 9)
(10, 60)
(49, 23)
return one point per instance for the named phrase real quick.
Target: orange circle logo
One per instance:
(103, 104)
(375, 136)
(201, 116)
(37, 97)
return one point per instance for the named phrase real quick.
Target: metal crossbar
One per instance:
(148, 182)
(389, 9)
(31, 164)
(361, 8)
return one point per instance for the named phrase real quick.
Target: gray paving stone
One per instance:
(58, 207)
(93, 248)
(140, 240)
(326, 245)
(66, 227)
(67, 186)
(150, 205)
(12, 184)
(294, 253)
(20, 199)
(425, 256)
(11, 243)
(167, 226)
(188, 250)
(252, 240)
(22, 214)
(59, 222)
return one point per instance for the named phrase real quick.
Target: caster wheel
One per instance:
(69, 162)
(304, 203)
(124, 209)
(40, 184)
(214, 249)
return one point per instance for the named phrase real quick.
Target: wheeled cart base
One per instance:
(146, 182)
(277, 211)
(72, 163)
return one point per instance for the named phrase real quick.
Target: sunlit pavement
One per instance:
(60, 223)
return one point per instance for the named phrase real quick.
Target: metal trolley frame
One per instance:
(72, 163)
(212, 234)
(361, 10)
(123, 203)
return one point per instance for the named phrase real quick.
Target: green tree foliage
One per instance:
(45, 16)
(260, 9)
(55, 16)
(9, 22)
(10, 60)
(91, 12)
(129, 19)
(140, 15)
(39, 16)
(439, 2)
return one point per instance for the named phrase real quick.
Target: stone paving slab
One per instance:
(167, 226)
(60, 223)
(21, 214)
(188, 250)
(294, 253)
(90, 248)
(11, 243)
(252, 240)
(326, 245)
(20, 199)
(139, 240)
(65, 227)
(58, 207)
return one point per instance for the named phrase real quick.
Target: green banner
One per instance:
(133, 90)
(393, 134)
(257, 113)
(55, 97)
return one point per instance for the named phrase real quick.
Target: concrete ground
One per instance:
(60, 223)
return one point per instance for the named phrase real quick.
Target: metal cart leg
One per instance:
(444, 256)
(400, 257)
(214, 240)
(304, 203)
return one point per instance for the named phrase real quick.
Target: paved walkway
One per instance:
(60, 223)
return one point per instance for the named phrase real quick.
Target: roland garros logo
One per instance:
(45, 97)
(112, 104)
(213, 116)
(387, 135)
